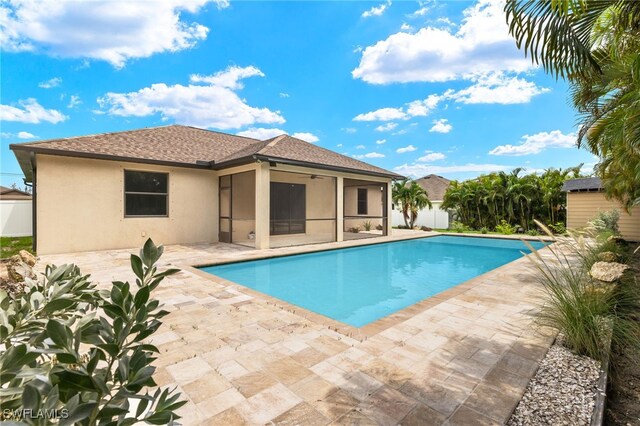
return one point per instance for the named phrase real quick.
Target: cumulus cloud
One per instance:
(26, 135)
(284, 95)
(426, 169)
(74, 101)
(376, 10)
(432, 156)
(369, 155)
(215, 104)
(30, 111)
(441, 126)
(112, 31)
(51, 83)
(381, 141)
(409, 148)
(498, 88)
(534, 144)
(480, 45)
(306, 136)
(382, 114)
(386, 127)
(261, 133)
(361, 147)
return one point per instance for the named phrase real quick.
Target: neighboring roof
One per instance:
(13, 194)
(435, 186)
(583, 184)
(191, 147)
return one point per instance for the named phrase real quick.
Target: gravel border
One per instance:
(562, 392)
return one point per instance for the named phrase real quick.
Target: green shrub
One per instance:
(367, 225)
(585, 311)
(354, 229)
(505, 228)
(606, 222)
(558, 228)
(73, 348)
(533, 232)
(456, 226)
(484, 230)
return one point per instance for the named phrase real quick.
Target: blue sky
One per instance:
(414, 87)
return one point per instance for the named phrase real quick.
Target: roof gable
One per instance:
(436, 186)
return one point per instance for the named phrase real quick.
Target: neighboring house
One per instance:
(435, 217)
(180, 184)
(585, 198)
(15, 213)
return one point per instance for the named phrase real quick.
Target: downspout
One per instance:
(34, 202)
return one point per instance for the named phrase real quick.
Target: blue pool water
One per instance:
(362, 284)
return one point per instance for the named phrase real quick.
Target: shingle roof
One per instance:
(13, 194)
(193, 147)
(435, 186)
(582, 184)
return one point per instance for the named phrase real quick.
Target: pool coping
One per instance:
(378, 325)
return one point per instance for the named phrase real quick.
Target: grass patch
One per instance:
(12, 245)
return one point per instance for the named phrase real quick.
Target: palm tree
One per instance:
(595, 45)
(411, 198)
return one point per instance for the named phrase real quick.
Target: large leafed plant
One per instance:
(74, 354)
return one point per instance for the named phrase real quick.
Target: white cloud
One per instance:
(426, 169)
(432, 156)
(424, 9)
(441, 126)
(497, 88)
(306, 136)
(51, 83)
(230, 78)
(261, 133)
(350, 129)
(482, 44)
(406, 27)
(415, 108)
(339, 145)
(74, 101)
(534, 144)
(370, 155)
(382, 114)
(376, 10)
(381, 141)
(30, 112)
(284, 95)
(26, 135)
(409, 148)
(361, 147)
(214, 105)
(112, 31)
(386, 127)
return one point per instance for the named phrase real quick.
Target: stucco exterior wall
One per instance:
(583, 206)
(80, 206)
(374, 206)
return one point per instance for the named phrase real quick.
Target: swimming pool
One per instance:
(360, 285)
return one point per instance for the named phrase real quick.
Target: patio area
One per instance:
(464, 356)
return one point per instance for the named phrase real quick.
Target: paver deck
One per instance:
(240, 357)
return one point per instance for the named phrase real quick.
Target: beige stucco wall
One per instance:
(80, 206)
(583, 206)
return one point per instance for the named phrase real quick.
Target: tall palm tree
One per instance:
(595, 45)
(411, 198)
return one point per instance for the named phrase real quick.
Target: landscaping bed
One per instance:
(562, 391)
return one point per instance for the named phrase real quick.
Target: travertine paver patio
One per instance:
(239, 358)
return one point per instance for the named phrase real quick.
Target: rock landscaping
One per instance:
(561, 393)
(608, 271)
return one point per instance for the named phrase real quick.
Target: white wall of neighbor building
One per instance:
(16, 218)
(433, 218)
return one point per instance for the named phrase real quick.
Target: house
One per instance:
(585, 198)
(15, 213)
(434, 217)
(180, 184)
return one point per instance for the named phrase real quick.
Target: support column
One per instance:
(339, 208)
(263, 185)
(389, 207)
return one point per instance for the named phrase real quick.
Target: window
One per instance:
(362, 200)
(145, 193)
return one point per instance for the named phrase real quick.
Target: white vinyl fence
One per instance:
(433, 218)
(15, 217)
